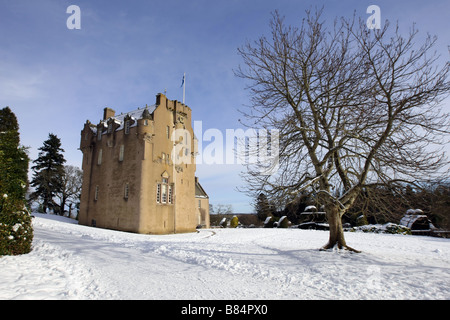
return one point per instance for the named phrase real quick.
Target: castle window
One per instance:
(110, 127)
(96, 193)
(168, 132)
(127, 127)
(170, 194)
(164, 192)
(99, 134)
(100, 156)
(121, 152)
(158, 193)
(126, 191)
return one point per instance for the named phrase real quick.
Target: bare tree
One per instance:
(71, 188)
(354, 108)
(223, 209)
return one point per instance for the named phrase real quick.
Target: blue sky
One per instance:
(126, 52)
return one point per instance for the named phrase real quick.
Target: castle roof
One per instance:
(199, 191)
(134, 115)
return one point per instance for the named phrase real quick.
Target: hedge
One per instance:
(16, 231)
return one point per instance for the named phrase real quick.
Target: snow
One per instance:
(70, 261)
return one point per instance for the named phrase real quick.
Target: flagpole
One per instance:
(184, 87)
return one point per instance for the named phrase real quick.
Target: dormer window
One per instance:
(127, 126)
(110, 127)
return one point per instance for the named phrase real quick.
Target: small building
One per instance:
(202, 199)
(418, 223)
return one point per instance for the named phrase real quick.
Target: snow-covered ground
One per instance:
(69, 261)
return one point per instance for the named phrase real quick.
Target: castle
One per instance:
(139, 171)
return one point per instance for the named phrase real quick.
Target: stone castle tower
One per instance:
(139, 171)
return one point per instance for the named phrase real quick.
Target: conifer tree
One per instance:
(16, 230)
(263, 208)
(48, 172)
(13, 158)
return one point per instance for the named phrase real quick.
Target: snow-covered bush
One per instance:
(268, 223)
(396, 229)
(310, 209)
(223, 223)
(16, 230)
(361, 220)
(283, 222)
(391, 228)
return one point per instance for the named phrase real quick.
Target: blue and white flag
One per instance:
(182, 81)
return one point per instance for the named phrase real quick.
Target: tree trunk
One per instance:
(336, 231)
(62, 205)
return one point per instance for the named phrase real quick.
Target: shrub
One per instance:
(283, 222)
(361, 220)
(396, 229)
(223, 223)
(234, 222)
(268, 223)
(16, 230)
(391, 228)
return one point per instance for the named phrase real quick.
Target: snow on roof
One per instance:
(134, 115)
(199, 191)
(414, 211)
(409, 219)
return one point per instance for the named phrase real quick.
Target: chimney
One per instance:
(108, 113)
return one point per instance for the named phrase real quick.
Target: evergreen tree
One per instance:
(16, 230)
(13, 158)
(263, 207)
(49, 172)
